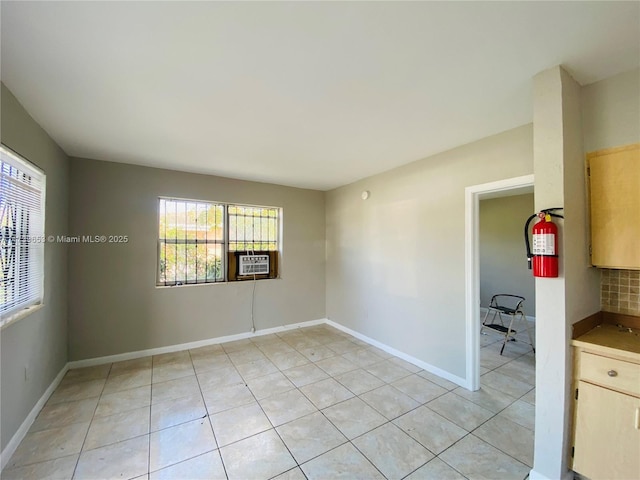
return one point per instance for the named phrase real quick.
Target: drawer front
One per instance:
(610, 373)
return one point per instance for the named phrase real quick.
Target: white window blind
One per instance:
(21, 233)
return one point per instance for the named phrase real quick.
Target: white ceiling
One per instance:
(309, 94)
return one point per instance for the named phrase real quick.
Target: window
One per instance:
(21, 233)
(200, 242)
(191, 242)
(253, 228)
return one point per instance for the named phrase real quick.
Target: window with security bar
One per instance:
(191, 242)
(253, 228)
(22, 190)
(253, 242)
(206, 242)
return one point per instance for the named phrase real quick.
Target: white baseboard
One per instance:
(26, 424)
(533, 475)
(483, 312)
(90, 362)
(11, 447)
(419, 363)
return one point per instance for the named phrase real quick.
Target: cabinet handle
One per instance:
(612, 373)
(637, 425)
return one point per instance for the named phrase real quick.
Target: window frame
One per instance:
(225, 242)
(33, 237)
(159, 283)
(237, 215)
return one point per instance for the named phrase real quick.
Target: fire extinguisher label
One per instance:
(544, 244)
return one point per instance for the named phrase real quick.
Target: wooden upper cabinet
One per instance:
(614, 178)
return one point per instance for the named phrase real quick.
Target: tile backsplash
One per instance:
(620, 291)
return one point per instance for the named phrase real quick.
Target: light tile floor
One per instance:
(310, 403)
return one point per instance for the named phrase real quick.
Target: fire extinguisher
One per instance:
(545, 244)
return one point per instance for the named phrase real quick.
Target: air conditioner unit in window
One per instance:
(253, 265)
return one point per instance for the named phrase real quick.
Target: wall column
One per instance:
(562, 301)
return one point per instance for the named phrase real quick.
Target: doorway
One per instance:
(505, 380)
(473, 195)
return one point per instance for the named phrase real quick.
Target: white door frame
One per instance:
(472, 266)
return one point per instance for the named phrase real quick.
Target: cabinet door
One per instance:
(607, 434)
(615, 207)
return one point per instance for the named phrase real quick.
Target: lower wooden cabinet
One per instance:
(606, 420)
(607, 434)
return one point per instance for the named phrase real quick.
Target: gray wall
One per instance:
(38, 341)
(114, 304)
(503, 266)
(395, 262)
(611, 116)
(611, 111)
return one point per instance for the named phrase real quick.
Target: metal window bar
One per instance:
(257, 238)
(186, 251)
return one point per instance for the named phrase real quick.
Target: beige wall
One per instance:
(39, 341)
(395, 262)
(114, 305)
(503, 265)
(611, 111)
(560, 302)
(611, 117)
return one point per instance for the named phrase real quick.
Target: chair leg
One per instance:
(506, 335)
(484, 320)
(529, 333)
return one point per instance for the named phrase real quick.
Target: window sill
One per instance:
(190, 285)
(216, 283)
(14, 317)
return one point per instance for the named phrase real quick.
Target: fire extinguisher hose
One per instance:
(527, 243)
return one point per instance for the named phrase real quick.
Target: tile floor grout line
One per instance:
(500, 411)
(149, 429)
(350, 440)
(273, 427)
(425, 404)
(208, 415)
(416, 469)
(495, 446)
(149, 447)
(368, 459)
(323, 342)
(317, 410)
(449, 465)
(90, 423)
(258, 433)
(500, 450)
(388, 421)
(451, 446)
(177, 463)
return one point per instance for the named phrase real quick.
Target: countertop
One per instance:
(611, 340)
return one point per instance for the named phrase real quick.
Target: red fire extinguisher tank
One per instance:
(545, 248)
